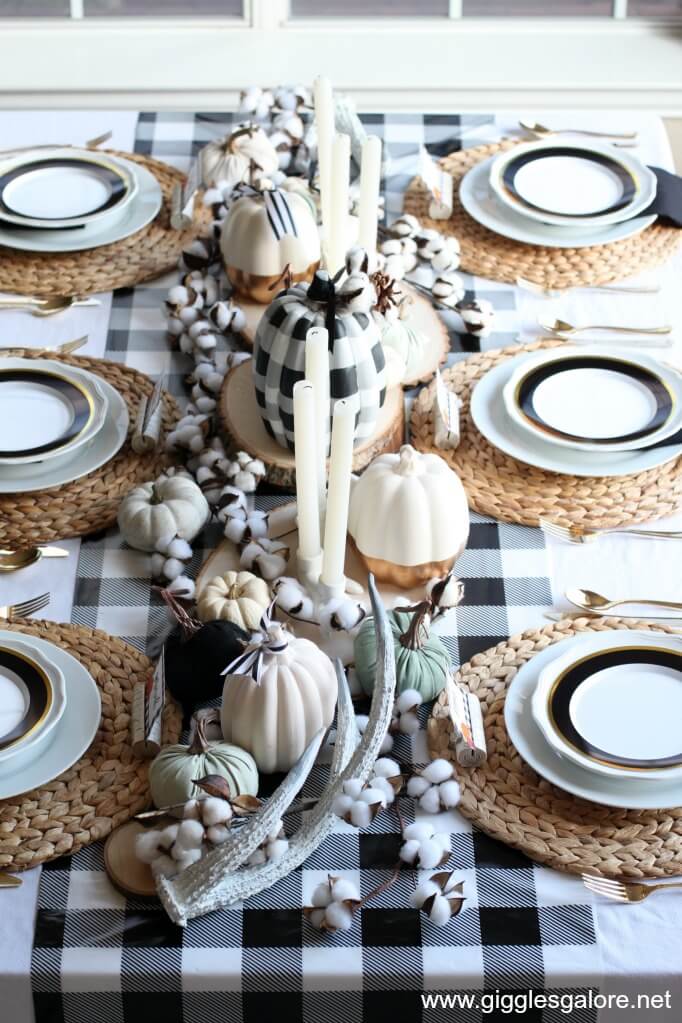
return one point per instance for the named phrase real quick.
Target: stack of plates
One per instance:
(586, 411)
(59, 423)
(566, 194)
(65, 200)
(599, 716)
(41, 732)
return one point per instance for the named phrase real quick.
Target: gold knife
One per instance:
(9, 880)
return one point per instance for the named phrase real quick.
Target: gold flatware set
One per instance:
(24, 608)
(46, 306)
(624, 891)
(627, 289)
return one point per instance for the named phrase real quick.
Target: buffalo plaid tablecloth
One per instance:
(101, 956)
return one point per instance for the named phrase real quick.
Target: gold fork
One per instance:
(624, 891)
(581, 534)
(64, 349)
(24, 608)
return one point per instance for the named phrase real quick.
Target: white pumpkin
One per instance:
(237, 597)
(405, 342)
(170, 506)
(276, 714)
(257, 245)
(234, 159)
(408, 517)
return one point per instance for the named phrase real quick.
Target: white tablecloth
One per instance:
(639, 945)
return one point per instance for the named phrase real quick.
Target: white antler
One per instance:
(214, 882)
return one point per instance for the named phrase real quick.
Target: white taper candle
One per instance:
(324, 125)
(317, 371)
(370, 183)
(338, 497)
(306, 470)
(338, 213)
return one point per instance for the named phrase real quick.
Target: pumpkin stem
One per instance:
(417, 632)
(155, 496)
(188, 624)
(200, 743)
(228, 145)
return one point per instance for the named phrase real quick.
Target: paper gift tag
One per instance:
(182, 199)
(148, 703)
(446, 408)
(439, 184)
(468, 733)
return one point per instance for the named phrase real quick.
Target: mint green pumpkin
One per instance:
(423, 668)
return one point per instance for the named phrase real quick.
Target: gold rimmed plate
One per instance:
(616, 710)
(26, 696)
(593, 399)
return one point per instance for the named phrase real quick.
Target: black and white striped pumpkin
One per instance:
(357, 366)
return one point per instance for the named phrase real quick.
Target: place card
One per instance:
(446, 406)
(183, 197)
(467, 724)
(148, 704)
(438, 183)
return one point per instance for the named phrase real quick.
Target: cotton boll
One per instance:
(405, 226)
(343, 889)
(182, 587)
(408, 699)
(440, 912)
(386, 768)
(360, 815)
(443, 839)
(342, 805)
(437, 771)
(316, 918)
(430, 854)
(277, 849)
(322, 895)
(430, 800)
(168, 835)
(421, 831)
(384, 786)
(190, 811)
(352, 787)
(417, 786)
(190, 856)
(147, 846)
(338, 917)
(423, 892)
(409, 850)
(164, 866)
(215, 811)
(372, 796)
(178, 548)
(409, 724)
(217, 834)
(172, 568)
(450, 793)
(190, 835)
(157, 563)
(292, 598)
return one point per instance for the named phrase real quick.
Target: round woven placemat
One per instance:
(512, 491)
(108, 785)
(510, 802)
(90, 503)
(150, 252)
(491, 255)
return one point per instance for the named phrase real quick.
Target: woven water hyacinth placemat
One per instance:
(512, 491)
(88, 504)
(150, 252)
(491, 255)
(108, 785)
(505, 798)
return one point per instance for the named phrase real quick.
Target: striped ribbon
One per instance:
(271, 638)
(279, 213)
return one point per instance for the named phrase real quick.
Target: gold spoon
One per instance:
(588, 600)
(12, 561)
(47, 306)
(562, 327)
(9, 880)
(542, 130)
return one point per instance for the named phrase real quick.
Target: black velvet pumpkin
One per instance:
(194, 666)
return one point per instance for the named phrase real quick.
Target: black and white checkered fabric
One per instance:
(102, 956)
(356, 362)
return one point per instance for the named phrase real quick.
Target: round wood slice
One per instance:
(125, 871)
(241, 421)
(422, 316)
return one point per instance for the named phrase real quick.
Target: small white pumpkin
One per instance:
(276, 710)
(170, 506)
(175, 769)
(406, 341)
(408, 517)
(237, 597)
(257, 244)
(231, 160)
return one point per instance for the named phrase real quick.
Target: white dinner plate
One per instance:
(572, 184)
(632, 793)
(142, 209)
(22, 479)
(476, 198)
(494, 422)
(49, 410)
(73, 734)
(595, 399)
(616, 711)
(63, 187)
(32, 697)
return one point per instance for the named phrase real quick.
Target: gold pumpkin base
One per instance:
(404, 577)
(261, 288)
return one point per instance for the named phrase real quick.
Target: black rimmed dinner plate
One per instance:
(25, 697)
(42, 412)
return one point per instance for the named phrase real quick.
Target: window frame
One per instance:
(171, 63)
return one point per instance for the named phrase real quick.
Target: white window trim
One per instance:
(419, 64)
